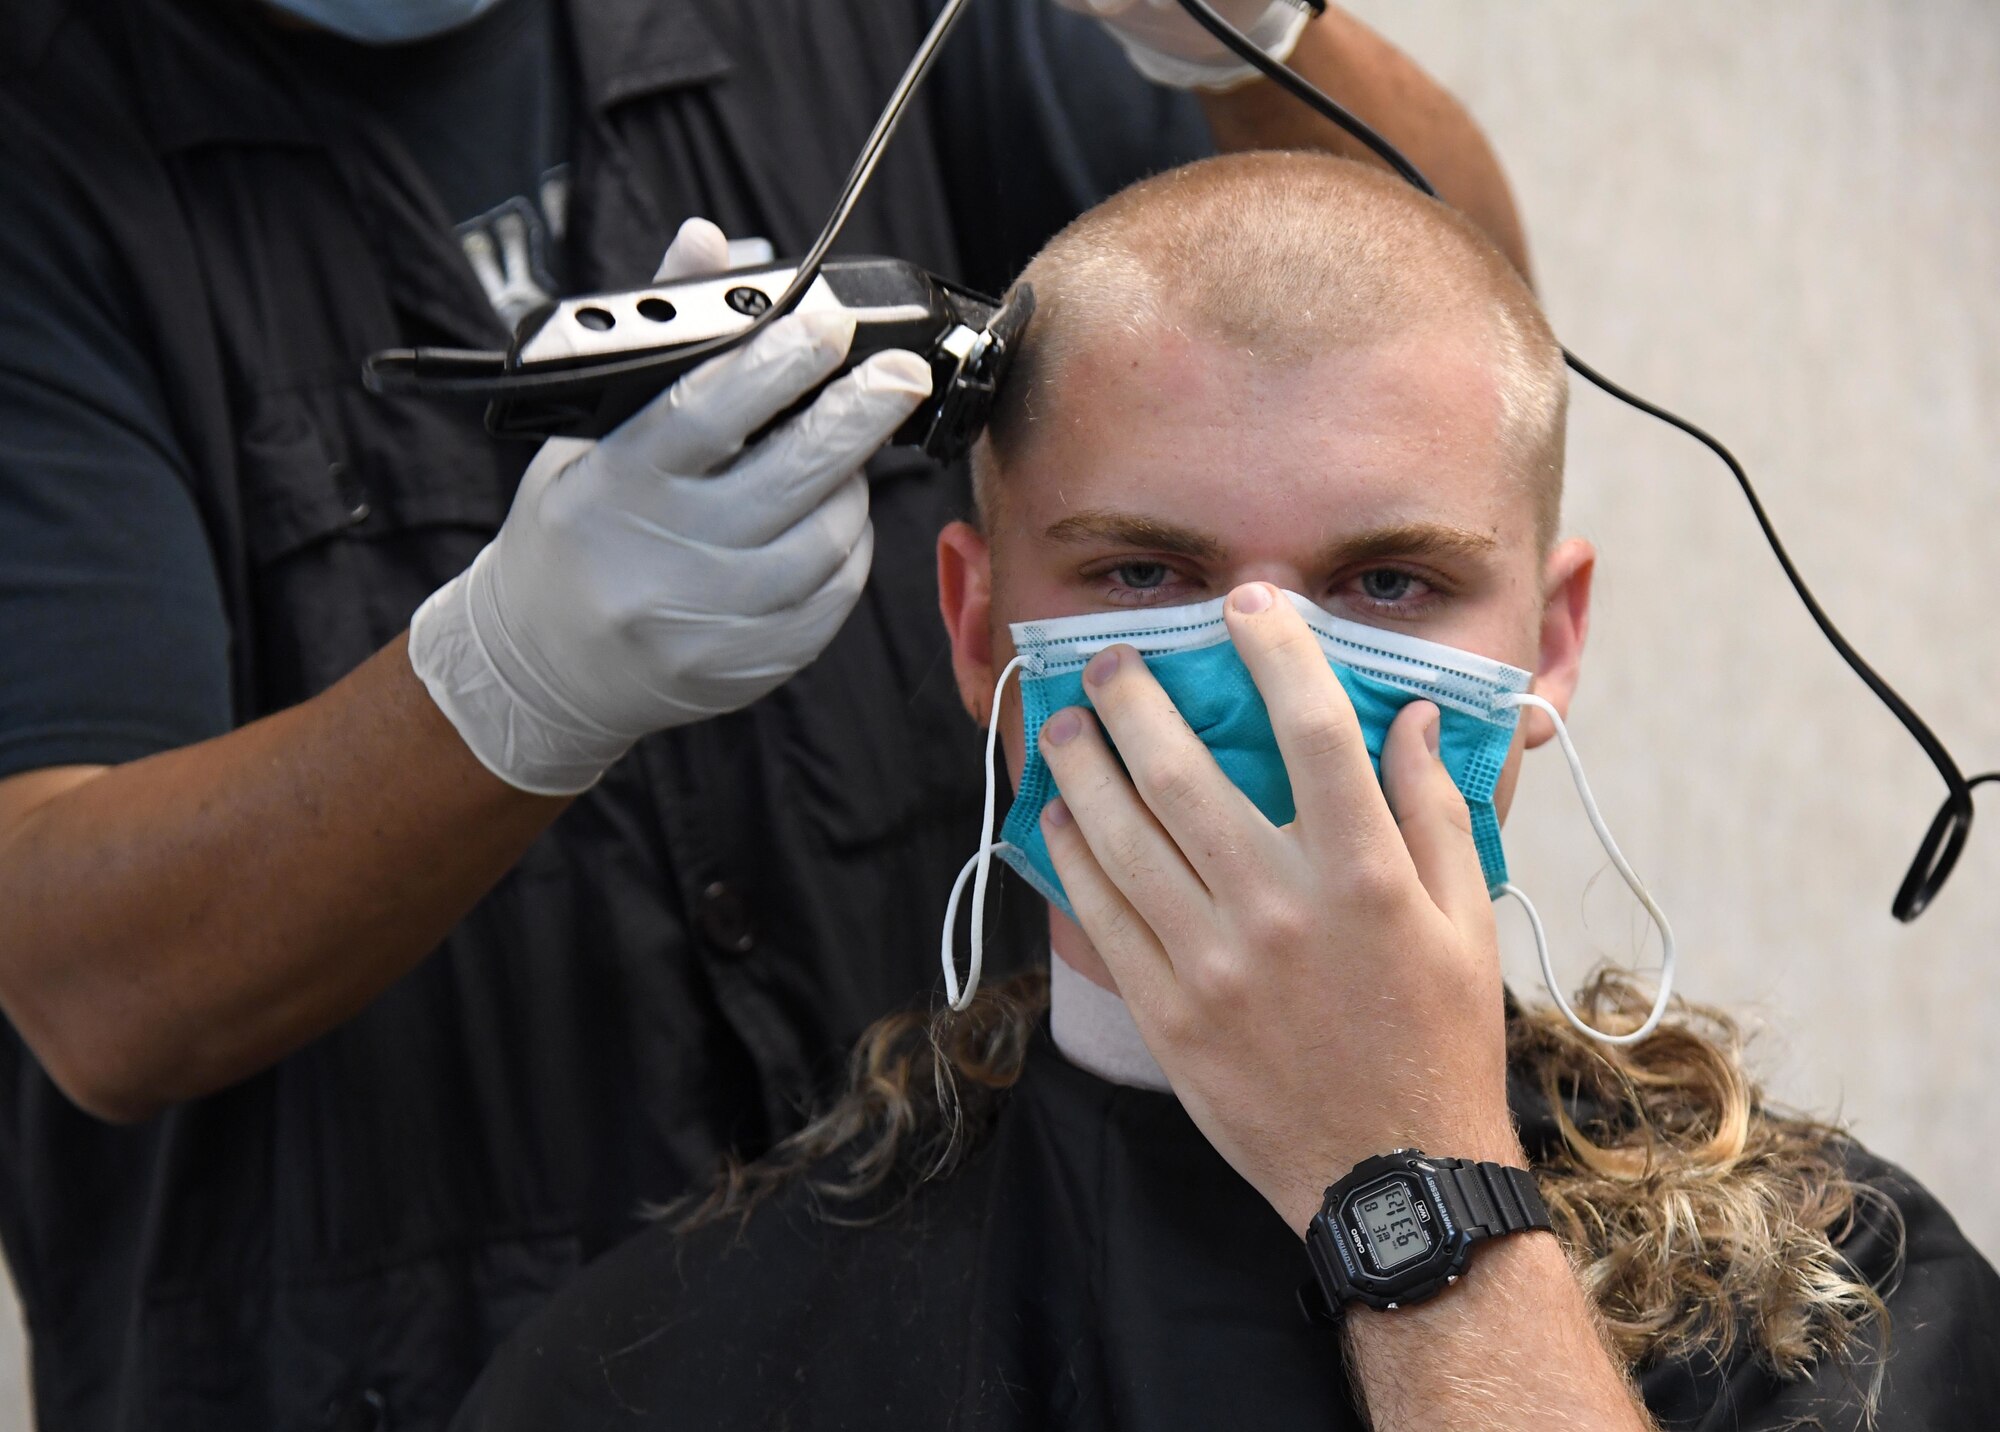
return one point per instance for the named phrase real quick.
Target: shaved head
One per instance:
(1283, 258)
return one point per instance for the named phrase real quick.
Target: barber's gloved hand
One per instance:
(668, 572)
(1166, 45)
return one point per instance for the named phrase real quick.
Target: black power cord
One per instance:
(1945, 841)
(872, 150)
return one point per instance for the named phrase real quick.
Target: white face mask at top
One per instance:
(1460, 683)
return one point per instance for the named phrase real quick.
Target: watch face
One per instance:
(1390, 1223)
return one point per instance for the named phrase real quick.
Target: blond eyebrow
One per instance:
(1131, 529)
(1407, 539)
(1403, 539)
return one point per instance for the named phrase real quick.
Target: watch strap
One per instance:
(1489, 1199)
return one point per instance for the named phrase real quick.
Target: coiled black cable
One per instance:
(1944, 842)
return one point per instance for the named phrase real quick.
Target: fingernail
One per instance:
(702, 234)
(1431, 724)
(1056, 813)
(1103, 666)
(1062, 726)
(1251, 598)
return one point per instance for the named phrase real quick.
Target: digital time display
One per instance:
(1390, 1225)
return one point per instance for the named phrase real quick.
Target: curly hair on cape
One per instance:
(1696, 1216)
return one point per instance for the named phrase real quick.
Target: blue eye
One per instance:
(1387, 585)
(1142, 576)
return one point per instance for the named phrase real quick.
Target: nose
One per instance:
(1283, 575)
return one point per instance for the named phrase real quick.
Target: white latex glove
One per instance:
(668, 573)
(1166, 45)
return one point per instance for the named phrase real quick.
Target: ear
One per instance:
(1566, 578)
(965, 599)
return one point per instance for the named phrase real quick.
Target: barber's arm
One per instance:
(174, 924)
(1325, 992)
(1342, 57)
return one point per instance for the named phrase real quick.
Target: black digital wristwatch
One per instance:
(1400, 1228)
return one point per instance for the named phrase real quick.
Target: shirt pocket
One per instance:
(355, 509)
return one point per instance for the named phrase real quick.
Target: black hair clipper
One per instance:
(580, 367)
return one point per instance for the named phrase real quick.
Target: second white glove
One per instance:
(668, 573)
(1166, 45)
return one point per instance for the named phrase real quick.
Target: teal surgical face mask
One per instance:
(386, 22)
(1189, 652)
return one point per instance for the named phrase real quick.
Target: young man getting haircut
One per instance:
(1271, 405)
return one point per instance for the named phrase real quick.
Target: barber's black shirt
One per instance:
(1097, 1267)
(205, 224)
(485, 110)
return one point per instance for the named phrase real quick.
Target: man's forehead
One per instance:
(1185, 446)
(1143, 391)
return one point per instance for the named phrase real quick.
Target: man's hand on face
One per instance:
(1316, 993)
(672, 571)
(1167, 46)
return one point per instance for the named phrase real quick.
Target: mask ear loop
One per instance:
(982, 863)
(1625, 872)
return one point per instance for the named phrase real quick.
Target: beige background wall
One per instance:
(1782, 219)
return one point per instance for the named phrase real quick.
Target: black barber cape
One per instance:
(205, 225)
(1097, 1266)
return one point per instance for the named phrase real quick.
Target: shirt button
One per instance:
(353, 496)
(724, 919)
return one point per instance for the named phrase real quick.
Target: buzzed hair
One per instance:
(1283, 256)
